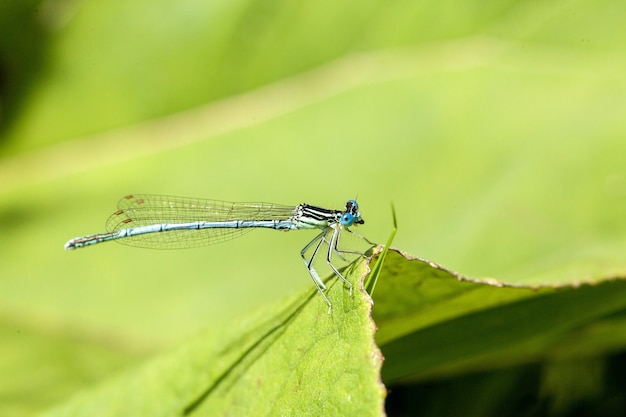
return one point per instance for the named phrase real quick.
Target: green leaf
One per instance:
(291, 359)
(434, 322)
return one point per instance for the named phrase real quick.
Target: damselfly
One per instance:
(164, 222)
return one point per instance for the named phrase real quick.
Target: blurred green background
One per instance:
(497, 129)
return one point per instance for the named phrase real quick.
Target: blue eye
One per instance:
(347, 219)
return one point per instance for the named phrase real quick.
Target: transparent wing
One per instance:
(145, 210)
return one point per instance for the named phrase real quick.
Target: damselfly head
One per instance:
(351, 215)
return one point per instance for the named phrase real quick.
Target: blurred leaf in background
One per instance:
(496, 128)
(23, 40)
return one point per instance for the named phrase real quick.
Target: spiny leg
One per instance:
(340, 251)
(360, 236)
(319, 284)
(331, 248)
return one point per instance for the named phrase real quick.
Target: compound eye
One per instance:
(347, 219)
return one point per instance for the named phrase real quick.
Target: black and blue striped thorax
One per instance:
(307, 216)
